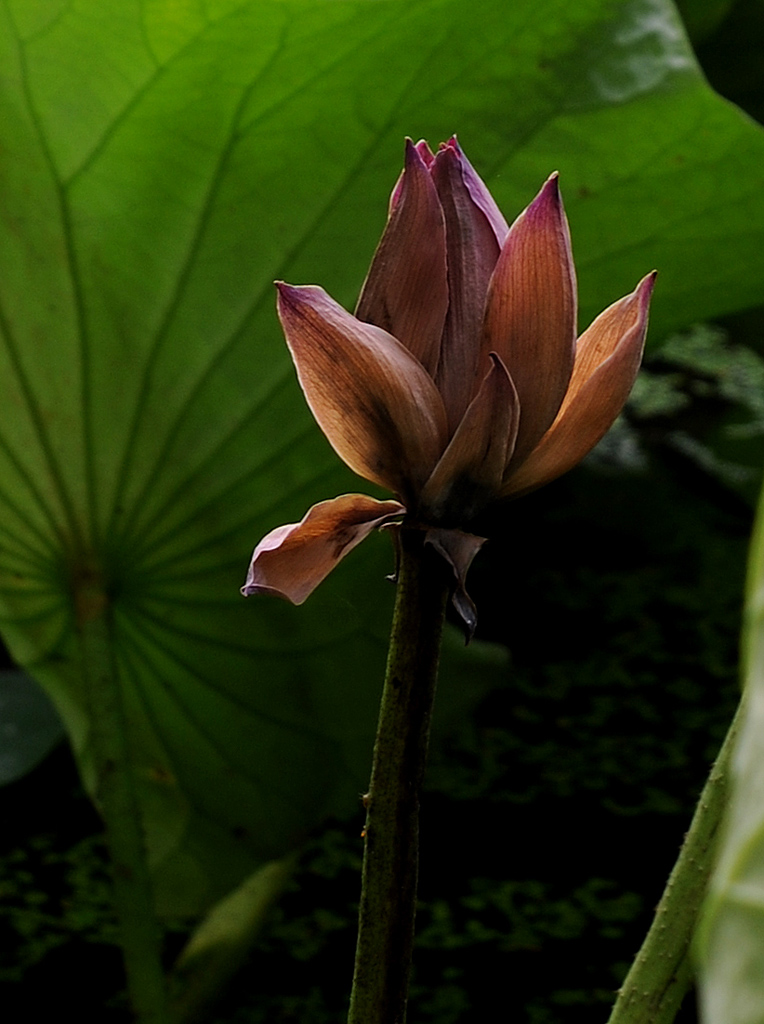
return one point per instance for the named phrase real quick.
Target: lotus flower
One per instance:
(459, 381)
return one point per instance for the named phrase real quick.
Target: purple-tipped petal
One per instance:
(471, 470)
(426, 156)
(423, 149)
(531, 313)
(377, 406)
(481, 197)
(292, 560)
(406, 289)
(607, 360)
(472, 252)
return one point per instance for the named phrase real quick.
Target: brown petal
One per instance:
(376, 404)
(481, 197)
(406, 289)
(531, 312)
(471, 470)
(607, 360)
(292, 560)
(472, 252)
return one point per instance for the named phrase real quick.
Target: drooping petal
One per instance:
(607, 360)
(406, 289)
(376, 404)
(472, 251)
(481, 197)
(471, 470)
(459, 549)
(292, 560)
(531, 312)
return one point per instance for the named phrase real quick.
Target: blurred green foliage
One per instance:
(50, 897)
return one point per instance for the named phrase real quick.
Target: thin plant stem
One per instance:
(662, 971)
(391, 853)
(140, 934)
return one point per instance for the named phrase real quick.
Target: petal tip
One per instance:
(549, 196)
(643, 293)
(450, 152)
(285, 291)
(425, 153)
(301, 298)
(647, 283)
(416, 154)
(253, 589)
(288, 301)
(547, 210)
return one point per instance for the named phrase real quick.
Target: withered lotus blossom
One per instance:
(458, 381)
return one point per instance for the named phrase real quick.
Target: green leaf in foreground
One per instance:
(161, 165)
(731, 939)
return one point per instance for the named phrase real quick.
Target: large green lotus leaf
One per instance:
(731, 939)
(161, 162)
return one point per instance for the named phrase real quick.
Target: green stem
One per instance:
(390, 863)
(140, 934)
(662, 971)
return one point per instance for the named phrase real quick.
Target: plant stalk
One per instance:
(140, 933)
(662, 971)
(391, 853)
